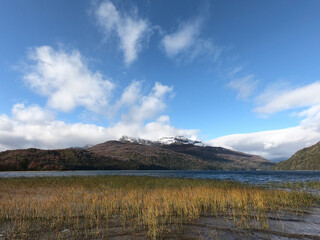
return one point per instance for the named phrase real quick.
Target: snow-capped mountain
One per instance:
(169, 153)
(162, 141)
(176, 153)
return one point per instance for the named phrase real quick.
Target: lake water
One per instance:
(255, 177)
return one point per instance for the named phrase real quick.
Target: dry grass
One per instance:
(86, 207)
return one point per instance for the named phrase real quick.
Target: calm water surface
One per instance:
(255, 177)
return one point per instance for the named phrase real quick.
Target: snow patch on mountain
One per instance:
(163, 141)
(136, 140)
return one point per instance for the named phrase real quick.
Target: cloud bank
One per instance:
(21, 131)
(281, 144)
(273, 145)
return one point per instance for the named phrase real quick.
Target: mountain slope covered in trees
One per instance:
(304, 159)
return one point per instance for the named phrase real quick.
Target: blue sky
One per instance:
(238, 74)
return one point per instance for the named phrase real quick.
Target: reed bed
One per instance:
(89, 207)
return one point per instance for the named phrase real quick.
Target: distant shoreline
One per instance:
(245, 176)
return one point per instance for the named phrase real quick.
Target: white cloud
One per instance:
(130, 33)
(130, 29)
(281, 144)
(130, 95)
(148, 106)
(108, 16)
(21, 131)
(305, 96)
(232, 72)
(311, 118)
(66, 80)
(162, 127)
(245, 86)
(47, 134)
(186, 43)
(182, 39)
(139, 108)
(273, 145)
(5, 123)
(32, 115)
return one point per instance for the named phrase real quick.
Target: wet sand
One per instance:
(282, 226)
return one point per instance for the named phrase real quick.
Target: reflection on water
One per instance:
(256, 177)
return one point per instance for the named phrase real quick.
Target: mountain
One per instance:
(149, 155)
(133, 153)
(179, 153)
(304, 159)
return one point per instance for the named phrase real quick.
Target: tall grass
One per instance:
(88, 207)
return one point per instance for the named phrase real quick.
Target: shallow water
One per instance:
(255, 177)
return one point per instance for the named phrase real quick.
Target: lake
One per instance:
(255, 177)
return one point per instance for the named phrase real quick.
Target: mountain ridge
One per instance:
(176, 153)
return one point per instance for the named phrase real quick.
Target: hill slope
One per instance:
(61, 159)
(304, 159)
(225, 158)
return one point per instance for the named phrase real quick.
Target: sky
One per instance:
(243, 75)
